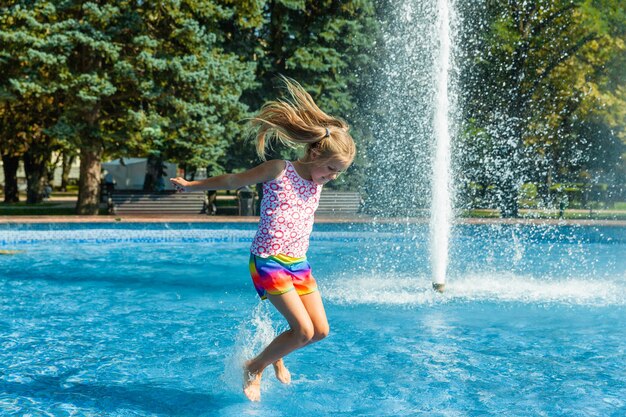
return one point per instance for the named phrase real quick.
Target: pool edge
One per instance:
(322, 219)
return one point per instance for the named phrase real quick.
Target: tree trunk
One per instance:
(51, 169)
(35, 167)
(68, 160)
(10, 166)
(509, 206)
(89, 181)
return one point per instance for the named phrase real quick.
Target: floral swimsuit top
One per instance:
(287, 210)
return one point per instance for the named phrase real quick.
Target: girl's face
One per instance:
(323, 172)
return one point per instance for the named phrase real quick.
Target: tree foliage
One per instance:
(125, 77)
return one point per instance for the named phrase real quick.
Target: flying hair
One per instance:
(297, 120)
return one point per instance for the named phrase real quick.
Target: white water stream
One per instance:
(441, 209)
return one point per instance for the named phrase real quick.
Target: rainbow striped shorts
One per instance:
(279, 274)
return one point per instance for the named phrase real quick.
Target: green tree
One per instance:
(25, 108)
(191, 108)
(139, 78)
(11, 146)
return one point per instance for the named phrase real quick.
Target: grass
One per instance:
(620, 206)
(550, 214)
(43, 209)
(37, 211)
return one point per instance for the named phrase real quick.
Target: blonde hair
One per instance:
(298, 120)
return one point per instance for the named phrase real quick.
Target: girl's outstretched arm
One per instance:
(265, 172)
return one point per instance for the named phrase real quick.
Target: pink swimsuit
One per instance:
(287, 210)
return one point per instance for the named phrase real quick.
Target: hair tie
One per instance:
(327, 132)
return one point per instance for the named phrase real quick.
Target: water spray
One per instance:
(441, 209)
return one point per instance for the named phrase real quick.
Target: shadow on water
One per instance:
(111, 398)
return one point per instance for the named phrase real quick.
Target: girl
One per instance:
(291, 190)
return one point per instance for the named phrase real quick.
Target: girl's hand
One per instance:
(180, 184)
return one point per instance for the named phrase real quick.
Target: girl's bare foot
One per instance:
(282, 373)
(251, 383)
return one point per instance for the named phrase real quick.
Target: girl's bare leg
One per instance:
(314, 306)
(300, 332)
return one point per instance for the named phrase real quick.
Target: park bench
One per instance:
(136, 202)
(167, 202)
(339, 203)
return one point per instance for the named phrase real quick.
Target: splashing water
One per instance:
(253, 336)
(491, 287)
(401, 110)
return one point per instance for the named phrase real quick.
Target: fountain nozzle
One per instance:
(439, 286)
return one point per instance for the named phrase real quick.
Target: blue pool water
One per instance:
(154, 320)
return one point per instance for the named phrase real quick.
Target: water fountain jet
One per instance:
(441, 209)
